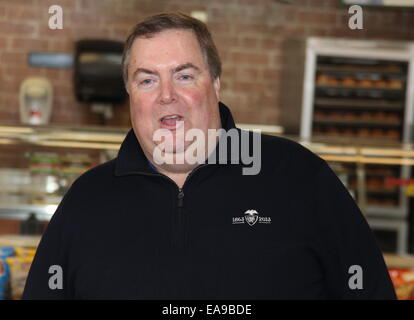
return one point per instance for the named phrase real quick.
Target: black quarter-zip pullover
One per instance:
(125, 231)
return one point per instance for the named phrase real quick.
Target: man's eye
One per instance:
(186, 77)
(146, 82)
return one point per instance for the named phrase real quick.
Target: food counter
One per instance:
(41, 162)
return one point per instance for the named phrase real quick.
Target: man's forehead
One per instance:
(170, 37)
(169, 48)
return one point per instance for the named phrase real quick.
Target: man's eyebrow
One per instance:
(186, 66)
(143, 70)
(179, 68)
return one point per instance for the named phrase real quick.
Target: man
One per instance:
(146, 226)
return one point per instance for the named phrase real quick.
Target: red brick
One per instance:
(60, 46)
(3, 43)
(26, 44)
(2, 12)
(290, 15)
(49, 34)
(249, 87)
(249, 2)
(84, 33)
(17, 73)
(24, 13)
(65, 4)
(271, 74)
(257, 29)
(15, 28)
(343, 32)
(250, 43)
(220, 29)
(229, 72)
(86, 19)
(250, 58)
(119, 34)
(227, 41)
(63, 90)
(52, 73)
(270, 43)
(10, 85)
(224, 85)
(294, 31)
(320, 32)
(8, 58)
(276, 59)
(320, 4)
(249, 35)
(248, 73)
(19, 3)
(342, 20)
(312, 17)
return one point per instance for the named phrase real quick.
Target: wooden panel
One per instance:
(9, 226)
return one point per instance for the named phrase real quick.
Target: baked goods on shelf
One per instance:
(363, 133)
(393, 133)
(403, 281)
(366, 83)
(395, 84)
(349, 82)
(322, 80)
(380, 84)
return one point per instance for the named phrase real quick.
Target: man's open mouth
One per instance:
(171, 121)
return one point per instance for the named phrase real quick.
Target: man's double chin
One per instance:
(179, 157)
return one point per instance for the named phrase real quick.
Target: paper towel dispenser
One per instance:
(98, 71)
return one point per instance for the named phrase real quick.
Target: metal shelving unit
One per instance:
(363, 92)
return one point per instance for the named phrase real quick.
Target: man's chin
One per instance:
(176, 161)
(178, 168)
(177, 157)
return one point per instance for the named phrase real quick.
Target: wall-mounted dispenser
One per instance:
(98, 74)
(36, 96)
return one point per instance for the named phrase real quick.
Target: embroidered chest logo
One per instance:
(251, 217)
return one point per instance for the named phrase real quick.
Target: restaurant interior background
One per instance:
(290, 67)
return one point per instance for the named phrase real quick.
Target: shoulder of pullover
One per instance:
(290, 155)
(102, 173)
(88, 188)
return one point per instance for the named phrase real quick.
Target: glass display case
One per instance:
(359, 91)
(38, 164)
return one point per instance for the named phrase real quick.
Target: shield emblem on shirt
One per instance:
(251, 217)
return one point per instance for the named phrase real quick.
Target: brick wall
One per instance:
(249, 33)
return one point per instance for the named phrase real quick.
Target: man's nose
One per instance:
(167, 93)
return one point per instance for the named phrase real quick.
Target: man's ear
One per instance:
(216, 84)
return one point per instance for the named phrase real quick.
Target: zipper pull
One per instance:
(180, 198)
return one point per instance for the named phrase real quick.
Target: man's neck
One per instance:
(178, 175)
(178, 178)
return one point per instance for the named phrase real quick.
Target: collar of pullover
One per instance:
(131, 158)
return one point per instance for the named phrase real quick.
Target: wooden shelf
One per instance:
(358, 103)
(358, 122)
(319, 86)
(337, 139)
(399, 261)
(19, 241)
(390, 70)
(383, 191)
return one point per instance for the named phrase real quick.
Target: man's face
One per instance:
(170, 86)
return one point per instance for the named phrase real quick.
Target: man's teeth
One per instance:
(170, 117)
